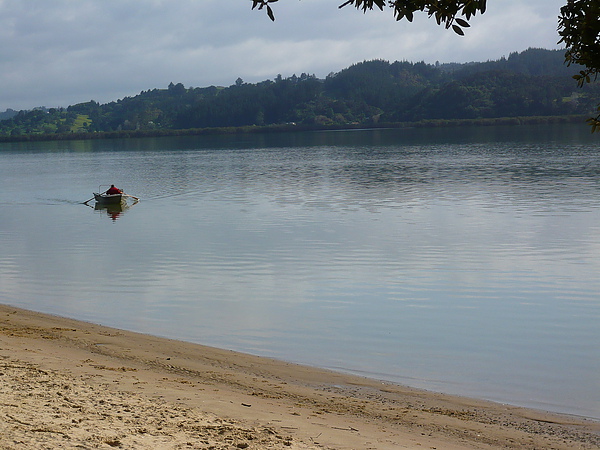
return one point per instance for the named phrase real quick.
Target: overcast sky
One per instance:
(62, 52)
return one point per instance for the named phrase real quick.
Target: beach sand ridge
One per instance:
(71, 384)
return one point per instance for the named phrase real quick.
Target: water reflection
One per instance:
(463, 262)
(113, 211)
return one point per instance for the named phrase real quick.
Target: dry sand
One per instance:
(71, 384)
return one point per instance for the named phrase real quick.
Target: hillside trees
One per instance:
(381, 84)
(578, 26)
(530, 83)
(241, 104)
(493, 94)
(579, 30)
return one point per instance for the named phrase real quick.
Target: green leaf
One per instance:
(270, 13)
(462, 23)
(458, 30)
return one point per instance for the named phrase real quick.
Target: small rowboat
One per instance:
(103, 198)
(108, 199)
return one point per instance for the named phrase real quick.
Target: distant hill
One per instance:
(534, 82)
(533, 62)
(8, 114)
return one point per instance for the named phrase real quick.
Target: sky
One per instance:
(57, 53)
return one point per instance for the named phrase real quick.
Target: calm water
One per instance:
(464, 261)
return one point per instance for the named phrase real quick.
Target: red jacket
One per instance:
(113, 190)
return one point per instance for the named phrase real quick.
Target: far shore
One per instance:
(72, 384)
(294, 128)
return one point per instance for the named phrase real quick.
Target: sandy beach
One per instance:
(71, 384)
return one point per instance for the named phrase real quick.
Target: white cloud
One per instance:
(60, 52)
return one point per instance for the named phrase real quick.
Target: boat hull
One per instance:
(108, 199)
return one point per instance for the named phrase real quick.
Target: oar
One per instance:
(132, 196)
(85, 203)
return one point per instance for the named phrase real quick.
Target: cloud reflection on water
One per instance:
(440, 263)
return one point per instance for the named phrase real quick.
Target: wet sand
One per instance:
(72, 384)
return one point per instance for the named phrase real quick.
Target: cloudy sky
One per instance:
(62, 52)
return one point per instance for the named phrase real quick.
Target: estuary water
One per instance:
(464, 261)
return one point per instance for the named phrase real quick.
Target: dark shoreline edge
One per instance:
(287, 128)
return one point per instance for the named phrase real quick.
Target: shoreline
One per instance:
(67, 384)
(294, 128)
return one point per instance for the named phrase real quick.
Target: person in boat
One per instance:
(112, 190)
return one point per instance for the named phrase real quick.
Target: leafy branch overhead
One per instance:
(444, 12)
(451, 13)
(264, 4)
(579, 30)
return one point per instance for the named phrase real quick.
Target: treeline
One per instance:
(531, 84)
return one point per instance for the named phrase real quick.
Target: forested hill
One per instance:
(532, 83)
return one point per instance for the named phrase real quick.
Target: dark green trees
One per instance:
(578, 26)
(579, 30)
(531, 83)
